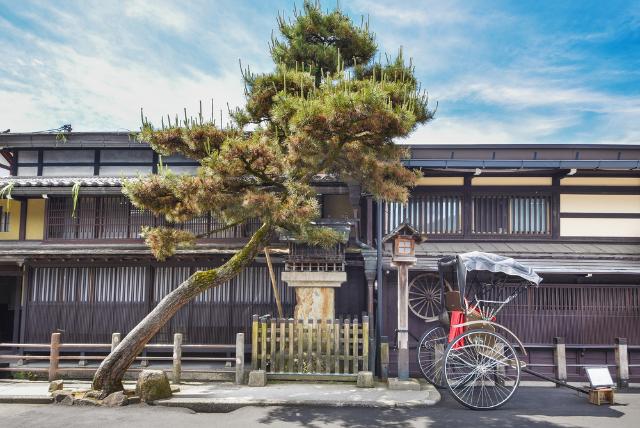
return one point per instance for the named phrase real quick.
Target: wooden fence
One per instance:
(56, 352)
(288, 348)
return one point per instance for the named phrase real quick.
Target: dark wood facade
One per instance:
(115, 283)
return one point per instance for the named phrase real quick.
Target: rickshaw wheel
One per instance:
(431, 355)
(481, 369)
(424, 297)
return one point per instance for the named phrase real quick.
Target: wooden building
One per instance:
(571, 212)
(90, 274)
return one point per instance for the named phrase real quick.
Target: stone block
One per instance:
(365, 380)
(116, 399)
(396, 384)
(257, 378)
(67, 400)
(153, 385)
(58, 396)
(56, 385)
(85, 402)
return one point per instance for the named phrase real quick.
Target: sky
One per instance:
(546, 71)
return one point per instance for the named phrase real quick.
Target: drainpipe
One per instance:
(379, 323)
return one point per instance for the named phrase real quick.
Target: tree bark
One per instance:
(108, 377)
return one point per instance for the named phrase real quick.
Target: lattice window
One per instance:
(511, 215)
(431, 214)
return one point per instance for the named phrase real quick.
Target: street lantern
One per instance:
(404, 247)
(404, 238)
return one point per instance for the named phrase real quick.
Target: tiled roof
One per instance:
(61, 181)
(552, 257)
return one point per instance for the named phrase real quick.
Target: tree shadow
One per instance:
(531, 406)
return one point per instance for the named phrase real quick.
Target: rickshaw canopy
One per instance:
(477, 260)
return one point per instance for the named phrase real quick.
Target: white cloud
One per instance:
(164, 13)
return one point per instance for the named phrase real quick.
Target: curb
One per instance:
(225, 405)
(26, 399)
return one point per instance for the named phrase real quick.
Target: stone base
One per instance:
(314, 303)
(257, 378)
(396, 384)
(314, 293)
(365, 380)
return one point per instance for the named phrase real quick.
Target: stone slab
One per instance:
(396, 384)
(226, 398)
(257, 378)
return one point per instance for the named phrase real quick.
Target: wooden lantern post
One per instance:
(404, 238)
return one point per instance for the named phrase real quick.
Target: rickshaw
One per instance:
(469, 352)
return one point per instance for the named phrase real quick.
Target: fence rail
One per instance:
(313, 347)
(56, 347)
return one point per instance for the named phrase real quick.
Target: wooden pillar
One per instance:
(560, 359)
(54, 356)
(240, 357)
(177, 357)
(622, 363)
(384, 358)
(115, 340)
(403, 321)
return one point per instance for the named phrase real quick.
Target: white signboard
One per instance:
(599, 377)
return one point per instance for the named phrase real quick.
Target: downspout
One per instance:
(379, 323)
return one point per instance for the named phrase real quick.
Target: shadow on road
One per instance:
(531, 406)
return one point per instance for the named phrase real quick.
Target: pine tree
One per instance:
(329, 107)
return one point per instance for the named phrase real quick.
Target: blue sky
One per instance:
(501, 71)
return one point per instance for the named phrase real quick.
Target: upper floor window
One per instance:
(431, 214)
(485, 214)
(510, 215)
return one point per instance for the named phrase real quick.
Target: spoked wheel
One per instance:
(431, 355)
(481, 369)
(424, 297)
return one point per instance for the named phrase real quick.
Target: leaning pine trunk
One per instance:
(108, 377)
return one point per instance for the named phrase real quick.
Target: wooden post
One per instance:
(239, 358)
(177, 357)
(384, 358)
(365, 343)
(319, 356)
(403, 321)
(300, 339)
(273, 361)
(345, 348)
(560, 359)
(254, 342)
(274, 285)
(354, 337)
(282, 346)
(622, 363)
(115, 340)
(290, 327)
(336, 345)
(54, 356)
(309, 327)
(328, 337)
(263, 345)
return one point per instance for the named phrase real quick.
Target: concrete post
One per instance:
(177, 357)
(622, 363)
(560, 359)
(240, 358)
(403, 321)
(54, 356)
(384, 358)
(115, 340)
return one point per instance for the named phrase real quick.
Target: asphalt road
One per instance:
(531, 407)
